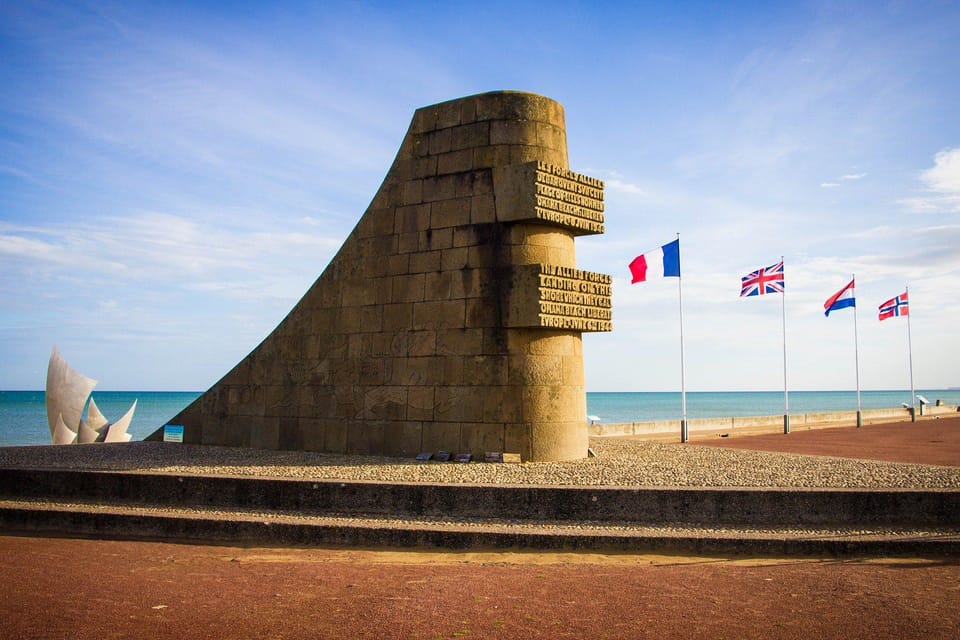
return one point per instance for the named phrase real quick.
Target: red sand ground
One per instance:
(65, 588)
(928, 441)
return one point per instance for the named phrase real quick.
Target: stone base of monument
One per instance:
(235, 510)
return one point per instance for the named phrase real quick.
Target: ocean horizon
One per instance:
(23, 414)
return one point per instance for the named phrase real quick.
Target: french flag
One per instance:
(840, 300)
(671, 263)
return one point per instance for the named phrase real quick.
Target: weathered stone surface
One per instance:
(451, 316)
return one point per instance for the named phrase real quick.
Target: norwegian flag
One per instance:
(895, 307)
(763, 281)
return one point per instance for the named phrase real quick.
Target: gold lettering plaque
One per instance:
(566, 298)
(541, 192)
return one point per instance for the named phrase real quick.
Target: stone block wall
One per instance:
(451, 317)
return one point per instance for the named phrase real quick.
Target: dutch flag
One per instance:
(840, 300)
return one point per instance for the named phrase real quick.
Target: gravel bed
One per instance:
(618, 463)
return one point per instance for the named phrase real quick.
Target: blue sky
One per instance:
(174, 176)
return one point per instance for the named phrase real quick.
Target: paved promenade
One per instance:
(60, 588)
(933, 441)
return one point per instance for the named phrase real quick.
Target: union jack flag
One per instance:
(895, 307)
(763, 281)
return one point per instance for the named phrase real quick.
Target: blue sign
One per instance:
(173, 433)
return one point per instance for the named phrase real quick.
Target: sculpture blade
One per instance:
(95, 418)
(86, 435)
(67, 393)
(62, 435)
(117, 432)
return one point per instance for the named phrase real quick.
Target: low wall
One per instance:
(704, 507)
(710, 426)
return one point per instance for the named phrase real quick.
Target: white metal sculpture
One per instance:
(68, 392)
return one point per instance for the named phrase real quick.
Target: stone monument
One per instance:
(451, 317)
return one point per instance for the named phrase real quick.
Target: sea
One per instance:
(23, 414)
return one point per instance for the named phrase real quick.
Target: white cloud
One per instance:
(944, 176)
(614, 181)
(159, 249)
(614, 184)
(921, 204)
(847, 177)
(942, 181)
(23, 247)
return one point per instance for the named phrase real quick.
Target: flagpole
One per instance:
(856, 353)
(786, 400)
(684, 431)
(913, 395)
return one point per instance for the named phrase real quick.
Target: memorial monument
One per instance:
(67, 396)
(451, 317)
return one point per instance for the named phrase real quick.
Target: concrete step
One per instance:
(715, 507)
(261, 527)
(268, 511)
